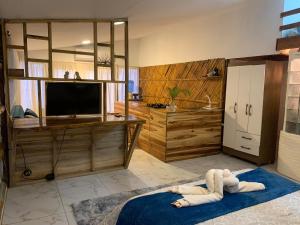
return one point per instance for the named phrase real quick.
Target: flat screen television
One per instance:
(64, 98)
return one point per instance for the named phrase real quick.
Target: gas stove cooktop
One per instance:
(157, 106)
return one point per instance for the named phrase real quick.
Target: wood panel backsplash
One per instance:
(155, 81)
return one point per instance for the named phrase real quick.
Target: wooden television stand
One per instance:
(70, 146)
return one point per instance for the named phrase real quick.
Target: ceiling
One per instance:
(145, 16)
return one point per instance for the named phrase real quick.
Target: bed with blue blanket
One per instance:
(278, 204)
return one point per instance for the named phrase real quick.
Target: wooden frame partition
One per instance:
(108, 135)
(51, 50)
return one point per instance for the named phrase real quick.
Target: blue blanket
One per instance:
(156, 209)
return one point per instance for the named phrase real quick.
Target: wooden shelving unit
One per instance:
(292, 114)
(3, 137)
(51, 50)
(288, 152)
(103, 144)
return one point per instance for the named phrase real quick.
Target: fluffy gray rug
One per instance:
(95, 211)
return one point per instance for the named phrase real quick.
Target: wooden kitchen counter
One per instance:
(184, 134)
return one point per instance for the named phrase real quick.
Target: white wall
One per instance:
(248, 29)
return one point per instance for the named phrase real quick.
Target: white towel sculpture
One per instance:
(216, 181)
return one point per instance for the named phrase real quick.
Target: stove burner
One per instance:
(157, 106)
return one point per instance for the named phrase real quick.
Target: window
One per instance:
(290, 5)
(133, 82)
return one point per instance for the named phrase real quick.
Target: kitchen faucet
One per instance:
(209, 102)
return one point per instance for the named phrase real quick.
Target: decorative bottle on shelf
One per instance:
(77, 76)
(172, 106)
(66, 75)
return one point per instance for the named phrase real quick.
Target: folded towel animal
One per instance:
(216, 181)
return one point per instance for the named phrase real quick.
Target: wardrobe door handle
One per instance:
(245, 147)
(246, 138)
(246, 109)
(249, 112)
(234, 108)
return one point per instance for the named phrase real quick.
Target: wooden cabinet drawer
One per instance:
(247, 143)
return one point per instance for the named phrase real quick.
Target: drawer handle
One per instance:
(247, 138)
(246, 111)
(234, 109)
(245, 148)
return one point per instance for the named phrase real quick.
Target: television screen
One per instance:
(72, 98)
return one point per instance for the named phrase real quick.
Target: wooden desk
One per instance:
(73, 147)
(69, 122)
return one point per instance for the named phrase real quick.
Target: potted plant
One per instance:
(174, 92)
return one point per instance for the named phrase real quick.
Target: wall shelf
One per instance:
(72, 52)
(64, 80)
(103, 44)
(103, 65)
(38, 60)
(37, 37)
(120, 56)
(15, 47)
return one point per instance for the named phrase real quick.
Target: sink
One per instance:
(208, 108)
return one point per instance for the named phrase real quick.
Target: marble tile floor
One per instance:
(49, 203)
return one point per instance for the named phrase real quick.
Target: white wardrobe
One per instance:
(252, 110)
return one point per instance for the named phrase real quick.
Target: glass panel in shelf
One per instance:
(104, 73)
(294, 77)
(119, 69)
(112, 96)
(104, 57)
(38, 69)
(37, 49)
(73, 36)
(295, 65)
(292, 103)
(103, 33)
(15, 31)
(293, 128)
(119, 41)
(66, 66)
(40, 29)
(15, 59)
(292, 116)
(24, 93)
(294, 90)
(121, 92)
